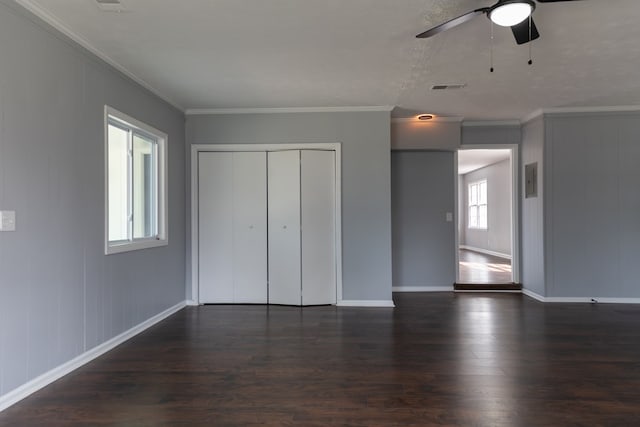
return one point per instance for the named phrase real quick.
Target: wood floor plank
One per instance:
(440, 359)
(482, 269)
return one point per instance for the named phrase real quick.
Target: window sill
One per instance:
(117, 248)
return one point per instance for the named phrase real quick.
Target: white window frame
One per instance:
(477, 184)
(162, 236)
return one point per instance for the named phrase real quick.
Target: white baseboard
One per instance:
(533, 295)
(485, 251)
(487, 291)
(56, 373)
(365, 303)
(422, 288)
(588, 300)
(191, 303)
(599, 300)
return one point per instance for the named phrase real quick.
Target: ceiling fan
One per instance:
(506, 13)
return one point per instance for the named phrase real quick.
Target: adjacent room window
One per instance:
(136, 212)
(478, 205)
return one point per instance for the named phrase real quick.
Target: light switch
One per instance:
(7, 220)
(449, 216)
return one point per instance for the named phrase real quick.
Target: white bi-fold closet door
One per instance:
(267, 227)
(232, 204)
(301, 212)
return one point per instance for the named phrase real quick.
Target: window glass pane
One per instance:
(473, 216)
(135, 176)
(118, 172)
(482, 193)
(473, 194)
(144, 187)
(482, 216)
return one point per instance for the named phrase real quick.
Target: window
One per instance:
(135, 175)
(478, 205)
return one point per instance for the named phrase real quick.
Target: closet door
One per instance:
(284, 227)
(318, 198)
(250, 227)
(215, 221)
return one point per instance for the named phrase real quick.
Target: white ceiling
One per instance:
(336, 53)
(470, 160)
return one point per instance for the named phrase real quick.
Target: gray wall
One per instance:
(593, 205)
(473, 134)
(422, 188)
(532, 210)
(497, 236)
(59, 294)
(449, 135)
(415, 135)
(366, 197)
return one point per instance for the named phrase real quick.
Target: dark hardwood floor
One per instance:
(476, 267)
(436, 359)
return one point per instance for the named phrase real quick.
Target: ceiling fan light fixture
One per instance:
(511, 12)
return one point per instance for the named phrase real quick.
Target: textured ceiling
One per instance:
(337, 53)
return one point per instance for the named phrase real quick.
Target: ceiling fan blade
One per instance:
(452, 23)
(521, 32)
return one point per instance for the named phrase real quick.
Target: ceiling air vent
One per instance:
(110, 5)
(447, 87)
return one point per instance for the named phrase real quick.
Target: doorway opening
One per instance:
(486, 233)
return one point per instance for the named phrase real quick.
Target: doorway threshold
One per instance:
(487, 286)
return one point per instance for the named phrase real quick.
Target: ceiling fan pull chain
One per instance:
(530, 41)
(491, 69)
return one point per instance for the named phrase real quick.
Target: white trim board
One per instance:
(56, 373)
(532, 294)
(583, 300)
(280, 110)
(162, 163)
(514, 159)
(198, 148)
(365, 303)
(487, 291)
(422, 288)
(580, 110)
(485, 251)
(491, 123)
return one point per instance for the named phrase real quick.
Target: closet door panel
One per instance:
(284, 227)
(250, 227)
(318, 227)
(215, 220)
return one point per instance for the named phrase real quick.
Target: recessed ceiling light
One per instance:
(425, 117)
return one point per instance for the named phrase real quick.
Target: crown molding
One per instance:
(279, 110)
(435, 119)
(581, 110)
(54, 22)
(491, 123)
(532, 116)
